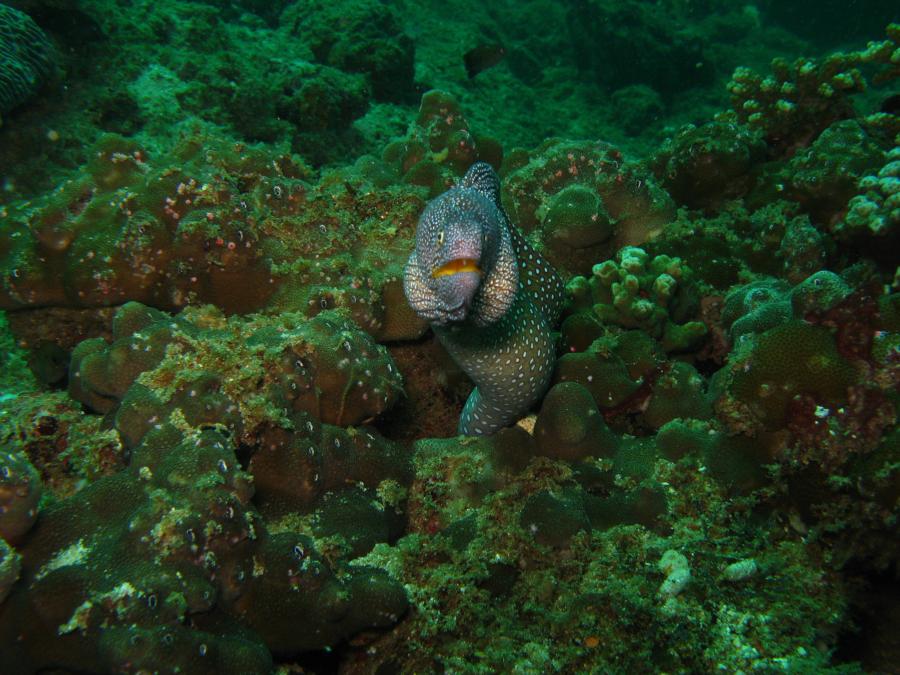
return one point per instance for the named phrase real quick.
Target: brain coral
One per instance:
(26, 57)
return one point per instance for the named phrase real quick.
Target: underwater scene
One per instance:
(445, 336)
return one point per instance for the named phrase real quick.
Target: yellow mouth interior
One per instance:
(456, 266)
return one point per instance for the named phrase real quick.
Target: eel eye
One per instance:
(441, 238)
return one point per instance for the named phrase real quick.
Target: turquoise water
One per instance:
(235, 353)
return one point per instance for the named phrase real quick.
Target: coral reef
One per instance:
(701, 166)
(364, 37)
(823, 177)
(575, 583)
(228, 441)
(766, 303)
(637, 291)
(799, 100)
(875, 211)
(27, 58)
(325, 367)
(791, 362)
(20, 493)
(208, 224)
(439, 146)
(178, 533)
(180, 519)
(570, 426)
(599, 201)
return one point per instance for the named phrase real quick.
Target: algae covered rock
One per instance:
(181, 547)
(20, 494)
(548, 190)
(298, 604)
(823, 177)
(703, 166)
(10, 564)
(209, 221)
(200, 363)
(553, 519)
(791, 361)
(570, 426)
(361, 37)
(334, 473)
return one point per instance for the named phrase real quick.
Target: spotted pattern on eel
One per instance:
(490, 298)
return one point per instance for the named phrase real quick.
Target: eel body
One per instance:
(490, 298)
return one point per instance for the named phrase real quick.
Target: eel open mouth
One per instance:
(456, 266)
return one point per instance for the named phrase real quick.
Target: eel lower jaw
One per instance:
(455, 267)
(456, 291)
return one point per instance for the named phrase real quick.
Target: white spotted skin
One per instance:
(510, 358)
(537, 278)
(510, 362)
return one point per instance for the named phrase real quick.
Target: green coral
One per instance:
(570, 426)
(875, 211)
(788, 362)
(546, 191)
(824, 176)
(703, 166)
(765, 303)
(211, 512)
(10, 564)
(652, 294)
(364, 37)
(679, 392)
(576, 217)
(801, 99)
(20, 494)
(26, 58)
(798, 100)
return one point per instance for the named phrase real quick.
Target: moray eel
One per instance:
(490, 299)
